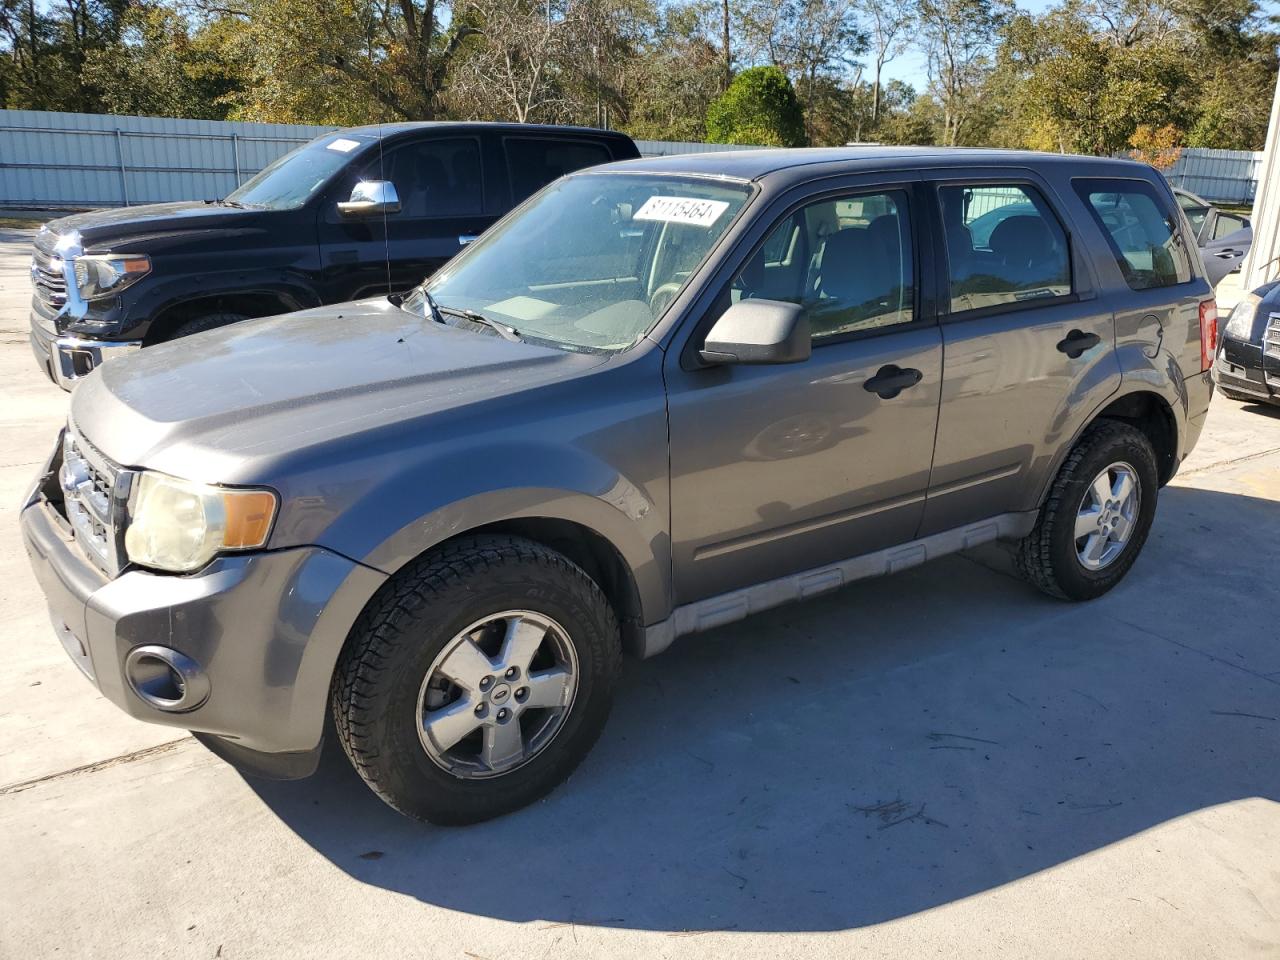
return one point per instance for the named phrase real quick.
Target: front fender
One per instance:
(622, 515)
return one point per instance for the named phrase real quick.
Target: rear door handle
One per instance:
(1077, 342)
(465, 238)
(1227, 254)
(890, 380)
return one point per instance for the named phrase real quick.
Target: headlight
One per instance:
(1240, 323)
(105, 275)
(179, 525)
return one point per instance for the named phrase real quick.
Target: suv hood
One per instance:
(117, 223)
(228, 405)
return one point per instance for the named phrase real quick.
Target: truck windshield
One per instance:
(287, 182)
(592, 261)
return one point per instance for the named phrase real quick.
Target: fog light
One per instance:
(166, 679)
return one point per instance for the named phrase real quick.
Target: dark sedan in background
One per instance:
(1247, 366)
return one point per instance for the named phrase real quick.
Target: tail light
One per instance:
(1208, 333)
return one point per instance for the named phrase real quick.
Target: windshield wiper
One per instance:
(505, 330)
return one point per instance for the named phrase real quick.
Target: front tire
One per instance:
(477, 679)
(1097, 515)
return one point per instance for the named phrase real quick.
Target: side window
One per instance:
(533, 163)
(436, 178)
(847, 261)
(1142, 231)
(1196, 212)
(1225, 225)
(1004, 245)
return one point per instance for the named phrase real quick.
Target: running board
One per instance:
(739, 604)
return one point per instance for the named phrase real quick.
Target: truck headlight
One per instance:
(180, 526)
(105, 275)
(1240, 323)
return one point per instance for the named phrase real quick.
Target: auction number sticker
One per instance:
(343, 145)
(691, 210)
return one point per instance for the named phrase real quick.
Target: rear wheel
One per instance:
(477, 680)
(1097, 516)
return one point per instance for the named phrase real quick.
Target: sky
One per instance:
(911, 66)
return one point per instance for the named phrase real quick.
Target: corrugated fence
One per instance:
(94, 160)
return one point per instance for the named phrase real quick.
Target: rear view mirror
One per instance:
(371, 198)
(759, 331)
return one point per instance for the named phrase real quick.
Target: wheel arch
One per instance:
(1150, 411)
(250, 303)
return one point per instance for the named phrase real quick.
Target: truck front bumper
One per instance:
(65, 358)
(240, 653)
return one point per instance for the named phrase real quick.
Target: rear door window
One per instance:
(534, 162)
(1142, 230)
(1225, 225)
(1004, 245)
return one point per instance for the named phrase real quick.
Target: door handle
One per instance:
(1077, 342)
(465, 238)
(1227, 254)
(891, 380)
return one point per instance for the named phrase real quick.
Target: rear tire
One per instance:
(1085, 540)
(410, 679)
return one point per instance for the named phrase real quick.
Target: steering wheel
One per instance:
(661, 298)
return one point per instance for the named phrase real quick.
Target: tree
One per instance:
(760, 107)
(888, 23)
(509, 68)
(960, 37)
(161, 67)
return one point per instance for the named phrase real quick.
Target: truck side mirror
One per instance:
(371, 198)
(759, 331)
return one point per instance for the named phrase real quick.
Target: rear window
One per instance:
(532, 162)
(1142, 230)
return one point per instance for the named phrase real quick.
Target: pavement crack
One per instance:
(1269, 678)
(144, 754)
(1245, 458)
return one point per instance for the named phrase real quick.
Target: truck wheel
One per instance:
(208, 322)
(477, 679)
(1097, 516)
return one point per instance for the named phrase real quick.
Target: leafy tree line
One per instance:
(1089, 76)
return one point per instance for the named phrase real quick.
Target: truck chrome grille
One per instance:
(48, 279)
(90, 491)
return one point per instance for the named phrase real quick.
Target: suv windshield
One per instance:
(287, 182)
(592, 261)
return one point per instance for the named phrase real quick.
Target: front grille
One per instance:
(1271, 336)
(48, 279)
(91, 495)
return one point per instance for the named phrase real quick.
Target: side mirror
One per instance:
(371, 198)
(759, 331)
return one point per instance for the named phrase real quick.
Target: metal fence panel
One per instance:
(94, 160)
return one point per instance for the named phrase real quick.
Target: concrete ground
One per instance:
(944, 763)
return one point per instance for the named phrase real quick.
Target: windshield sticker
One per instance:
(691, 210)
(343, 145)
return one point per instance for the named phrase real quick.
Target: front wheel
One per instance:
(1097, 515)
(477, 680)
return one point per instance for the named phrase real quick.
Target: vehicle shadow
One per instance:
(896, 746)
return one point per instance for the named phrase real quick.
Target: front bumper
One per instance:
(1243, 368)
(65, 358)
(264, 629)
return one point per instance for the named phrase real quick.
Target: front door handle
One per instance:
(465, 238)
(1227, 254)
(891, 380)
(1077, 342)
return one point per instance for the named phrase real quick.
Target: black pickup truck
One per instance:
(356, 213)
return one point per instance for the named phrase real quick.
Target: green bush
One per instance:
(760, 107)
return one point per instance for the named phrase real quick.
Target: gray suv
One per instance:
(657, 397)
